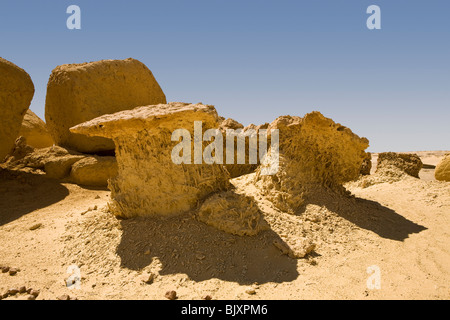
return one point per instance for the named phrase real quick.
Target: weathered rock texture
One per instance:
(314, 152)
(148, 182)
(94, 171)
(442, 172)
(16, 92)
(232, 213)
(397, 163)
(80, 92)
(35, 131)
(366, 166)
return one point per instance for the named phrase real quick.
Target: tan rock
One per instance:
(391, 163)
(80, 92)
(442, 172)
(35, 131)
(148, 181)
(314, 152)
(94, 171)
(16, 92)
(366, 166)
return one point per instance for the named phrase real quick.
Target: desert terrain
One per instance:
(401, 226)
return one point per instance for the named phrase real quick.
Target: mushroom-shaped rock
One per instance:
(16, 92)
(442, 172)
(314, 152)
(35, 131)
(80, 92)
(149, 182)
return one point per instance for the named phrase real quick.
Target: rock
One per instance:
(13, 291)
(250, 291)
(232, 213)
(4, 269)
(171, 295)
(148, 181)
(207, 297)
(297, 247)
(35, 293)
(35, 226)
(80, 92)
(35, 131)
(394, 163)
(148, 278)
(20, 151)
(64, 297)
(315, 153)
(442, 172)
(366, 166)
(13, 271)
(94, 171)
(23, 289)
(30, 297)
(16, 93)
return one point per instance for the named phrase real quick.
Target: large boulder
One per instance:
(392, 163)
(80, 92)
(149, 181)
(35, 131)
(16, 93)
(94, 171)
(442, 172)
(315, 153)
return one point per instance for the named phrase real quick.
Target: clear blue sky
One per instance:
(256, 60)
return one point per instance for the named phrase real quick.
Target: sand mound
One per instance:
(442, 172)
(232, 213)
(149, 182)
(313, 151)
(80, 92)
(16, 93)
(35, 131)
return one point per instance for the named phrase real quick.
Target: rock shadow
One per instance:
(185, 245)
(22, 193)
(366, 214)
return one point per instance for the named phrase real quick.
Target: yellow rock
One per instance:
(16, 92)
(442, 172)
(80, 92)
(94, 171)
(35, 131)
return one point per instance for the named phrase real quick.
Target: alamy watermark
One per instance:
(214, 153)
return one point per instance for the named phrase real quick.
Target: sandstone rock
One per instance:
(398, 163)
(366, 166)
(80, 92)
(232, 213)
(148, 181)
(314, 152)
(16, 93)
(35, 131)
(171, 295)
(94, 171)
(442, 172)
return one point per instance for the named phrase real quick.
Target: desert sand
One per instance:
(47, 225)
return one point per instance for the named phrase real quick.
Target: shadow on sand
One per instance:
(22, 193)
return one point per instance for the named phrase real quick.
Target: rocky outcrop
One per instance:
(442, 172)
(314, 152)
(391, 163)
(149, 182)
(35, 131)
(80, 92)
(94, 171)
(366, 166)
(16, 92)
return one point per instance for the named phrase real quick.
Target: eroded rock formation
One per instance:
(398, 163)
(442, 172)
(35, 131)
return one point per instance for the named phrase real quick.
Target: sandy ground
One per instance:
(401, 227)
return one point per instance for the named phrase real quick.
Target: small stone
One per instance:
(208, 297)
(13, 291)
(35, 226)
(147, 252)
(22, 289)
(35, 293)
(97, 197)
(200, 256)
(29, 290)
(73, 298)
(31, 297)
(148, 278)
(171, 295)
(5, 295)
(5, 269)
(64, 297)
(250, 291)
(13, 271)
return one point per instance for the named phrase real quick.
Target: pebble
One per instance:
(208, 297)
(171, 295)
(35, 226)
(35, 293)
(64, 297)
(148, 278)
(13, 291)
(4, 269)
(22, 289)
(31, 297)
(250, 291)
(13, 271)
